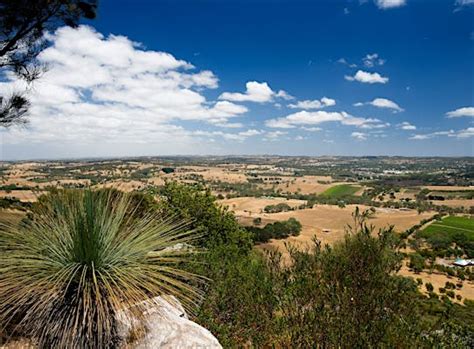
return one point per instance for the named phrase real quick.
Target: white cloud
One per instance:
(465, 111)
(387, 4)
(258, 92)
(367, 78)
(274, 135)
(312, 129)
(305, 118)
(250, 133)
(225, 124)
(284, 95)
(109, 89)
(313, 104)
(371, 60)
(406, 126)
(464, 2)
(359, 136)
(382, 103)
(239, 137)
(344, 61)
(464, 133)
(370, 126)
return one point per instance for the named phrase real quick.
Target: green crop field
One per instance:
(442, 234)
(451, 226)
(341, 190)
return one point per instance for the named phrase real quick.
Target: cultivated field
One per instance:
(253, 207)
(449, 227)
(341, 190)
(328, 218)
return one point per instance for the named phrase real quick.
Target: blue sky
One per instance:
(383, 77)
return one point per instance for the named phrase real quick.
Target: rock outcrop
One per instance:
(164, 324)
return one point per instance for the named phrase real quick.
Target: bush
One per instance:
(344, 294)
(429, 287)
(281, 207)
(276, 230)
(450, 285)
(84, 256)
(196, 204)
(417, 262)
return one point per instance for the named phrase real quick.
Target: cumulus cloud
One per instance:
(465, 111)
(367, 78)
(382, 103)
(100, 89)
(273, 135)
(387, 4)
(464, 133)
(371, 60)
(239, 137)
(306, 118)
(258, 92)
(406, 126)
(359, 136)
(313, 104)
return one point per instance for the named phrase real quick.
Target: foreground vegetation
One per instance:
(83, 257)
(343, 296)
(323, 295)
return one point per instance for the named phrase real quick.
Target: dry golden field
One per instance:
(332, 219)
(439, 280)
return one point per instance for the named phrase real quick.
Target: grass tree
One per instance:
(84, 257)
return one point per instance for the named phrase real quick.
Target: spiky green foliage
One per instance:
(82, 259)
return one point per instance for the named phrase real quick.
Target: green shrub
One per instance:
(344, 294)
(281, 207)
(276, 230)
(417, 262)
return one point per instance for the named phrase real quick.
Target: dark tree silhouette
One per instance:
(22, 26)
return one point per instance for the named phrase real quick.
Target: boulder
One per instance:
(164, 324)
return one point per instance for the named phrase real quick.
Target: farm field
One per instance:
(438, 280)
(332, 219)
(22, 195)
(249, 206)
(341, 190)
(450, 226)
(455, 203)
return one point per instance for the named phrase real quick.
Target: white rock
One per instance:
(167, 326)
